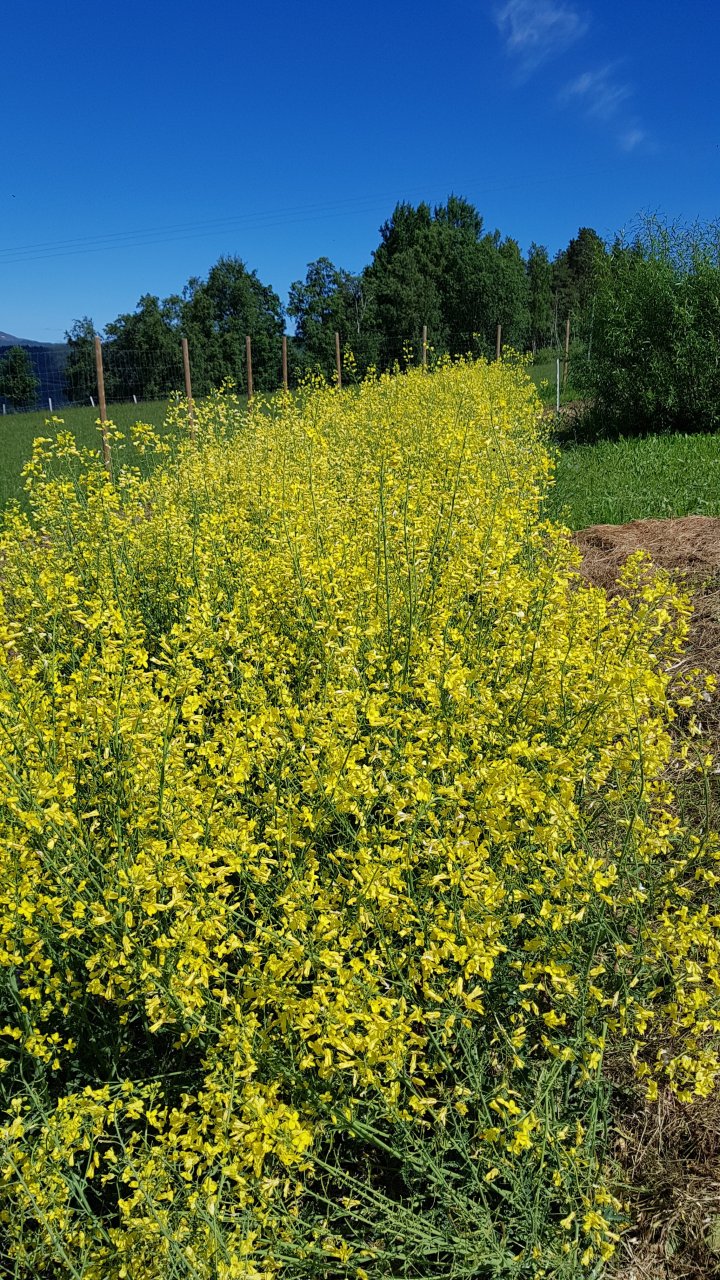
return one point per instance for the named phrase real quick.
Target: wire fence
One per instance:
(60, 375)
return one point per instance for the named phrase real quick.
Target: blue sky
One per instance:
(143, 140)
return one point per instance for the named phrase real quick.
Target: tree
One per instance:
(512, 306)
(575, 275)
(401, 280)
(216, 315)
(459, 215)
(462, 262)
(329, 301)
(17, 378)
(80, 371)
(585, 254)
(540, 297)
(144, 354)
(432, 267)
(442, 269)
(405, 229)
(656, 334)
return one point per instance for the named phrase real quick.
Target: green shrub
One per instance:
(653, 361)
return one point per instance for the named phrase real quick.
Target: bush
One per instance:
(17, 378)
(336, 851)
(654, 365)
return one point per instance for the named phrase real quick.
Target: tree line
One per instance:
(644, 312)
(437, 267)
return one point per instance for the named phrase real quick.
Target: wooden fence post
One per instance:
(101, 402)
(284, 362)
(188, 388)
(338, 361)
(424, 348)
(248, 356)
(498, 342)
(566, 361)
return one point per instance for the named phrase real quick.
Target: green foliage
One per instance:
(540, 296)
(218, 313)
(143, 350)
(644, 318)
(329, 301)
(654, 364)
(18, 383)
(80, 372)
(543, 372)
(432, 267)
(17, 432)
(438, 268)
(441, 269)
(614, 481)
(512, 309)
(403, 282)
(576, 271)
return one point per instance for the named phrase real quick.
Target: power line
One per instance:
(107, 239)
(270, 219)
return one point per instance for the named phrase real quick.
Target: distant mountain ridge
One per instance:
(8, 340)
(48, 360)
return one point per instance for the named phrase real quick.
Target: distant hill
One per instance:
(7, 340)
(48, 360)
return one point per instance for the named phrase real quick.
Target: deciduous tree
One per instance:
(18, 382)
(80, 370)
(218, 313)
(540, 296)
(143, 353)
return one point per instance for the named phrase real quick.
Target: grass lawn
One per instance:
(18, 430)
(632, 479)
(544, 373)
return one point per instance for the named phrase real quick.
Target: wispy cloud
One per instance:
(603, 96)
(632, 138)
(598, 92)
(536, 30)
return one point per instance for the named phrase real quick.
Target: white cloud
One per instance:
(599, 93)
(632, 138)
(602, 96)
(535, 30)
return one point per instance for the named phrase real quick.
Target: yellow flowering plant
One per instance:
(337, 848)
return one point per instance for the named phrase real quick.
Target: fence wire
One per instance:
(60, 375)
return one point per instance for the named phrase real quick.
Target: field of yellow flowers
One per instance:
(337, 851)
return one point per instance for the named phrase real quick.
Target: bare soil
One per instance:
(669, 1153)
(689, 548)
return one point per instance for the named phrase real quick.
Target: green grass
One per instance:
(18, 430)
(543, 373)
(633, 479)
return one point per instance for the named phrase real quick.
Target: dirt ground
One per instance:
(670, 1153)
(689, 545)
(689, 548)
